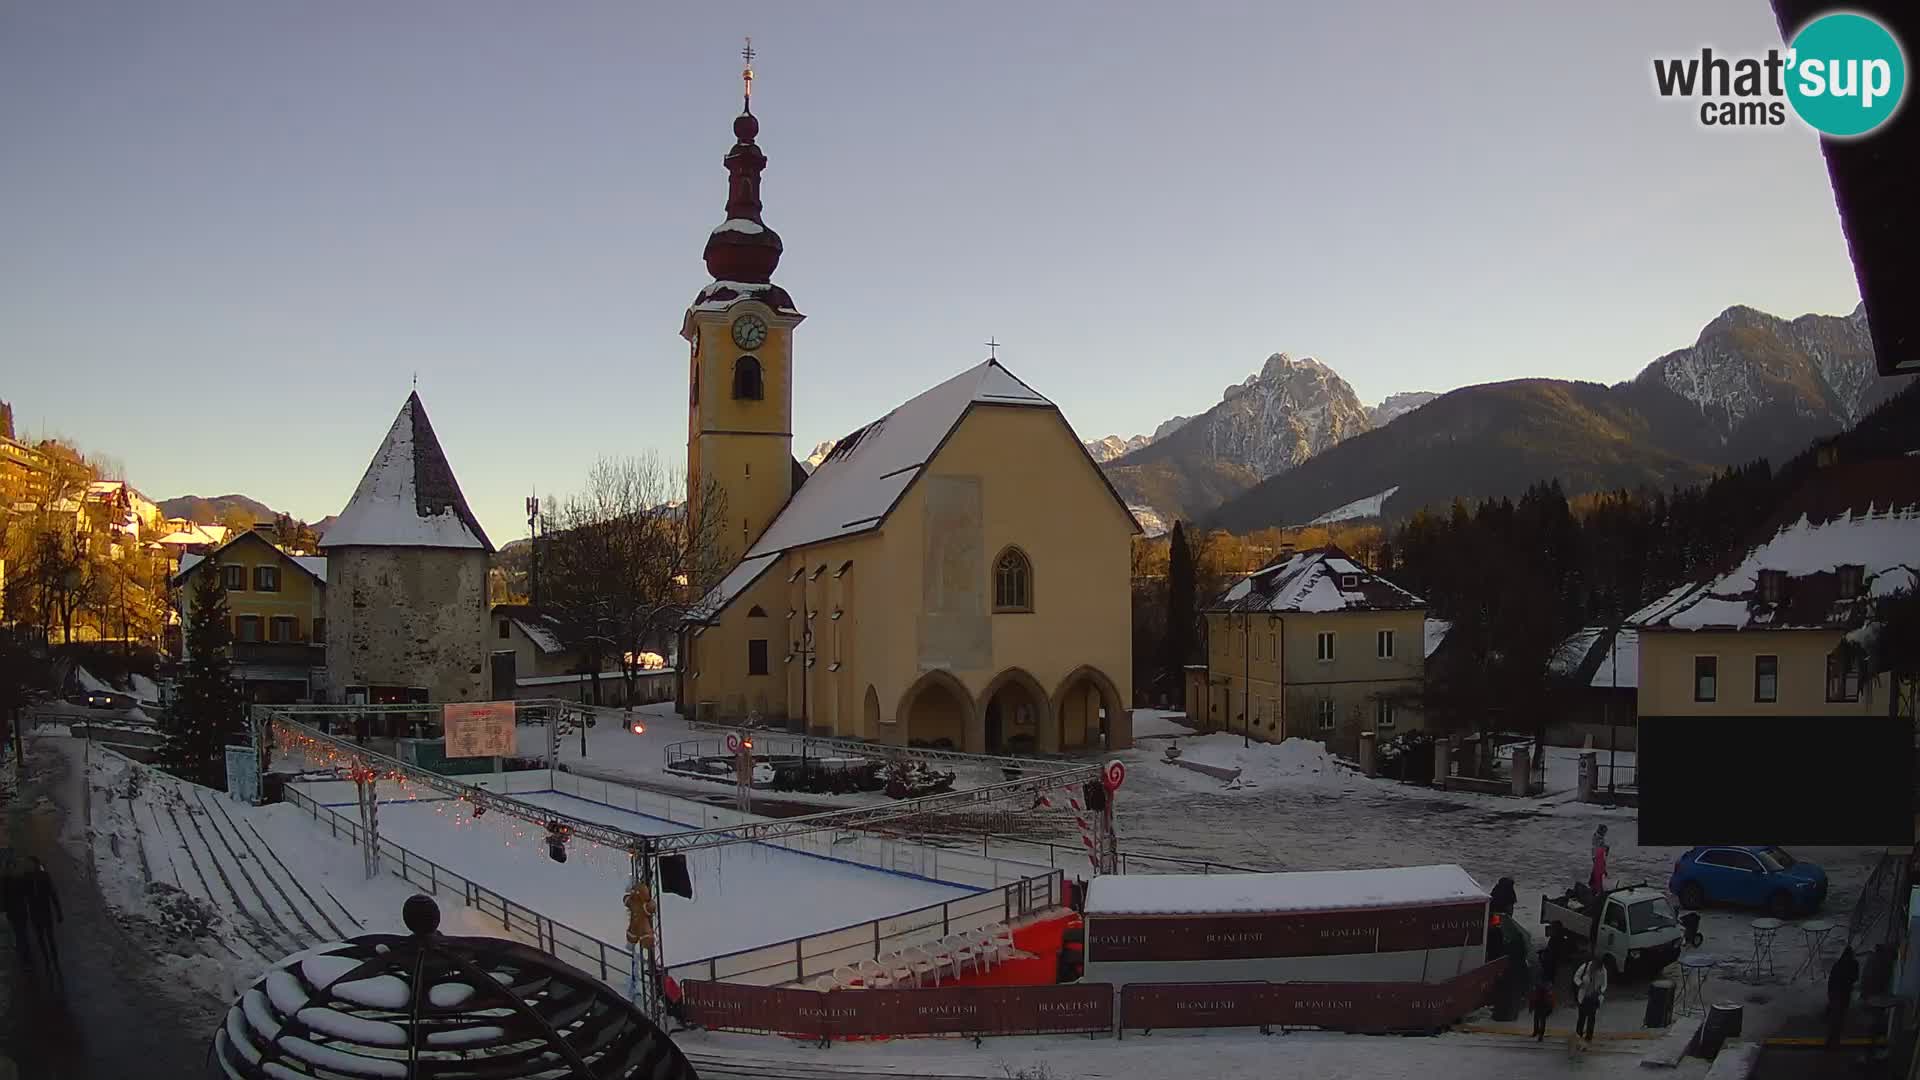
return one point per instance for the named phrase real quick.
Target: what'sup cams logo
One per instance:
(1843, 74)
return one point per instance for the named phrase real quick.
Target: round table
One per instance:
(1764, 931)
(1815, 932)
(1694, 968)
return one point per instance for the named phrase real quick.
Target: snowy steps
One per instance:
(188, 840)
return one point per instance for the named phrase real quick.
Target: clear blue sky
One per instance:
(232, 231)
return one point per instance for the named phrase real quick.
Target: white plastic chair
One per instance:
(900, 969)
(921, 961)
(846, 978)
(825, 982)
(1003, 940)
(962, 952)
(983, 945)
(874, 974)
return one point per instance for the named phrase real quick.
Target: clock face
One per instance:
(749, 331)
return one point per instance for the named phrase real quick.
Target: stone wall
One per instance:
(401, 616)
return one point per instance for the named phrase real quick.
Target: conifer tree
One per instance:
(207, 711)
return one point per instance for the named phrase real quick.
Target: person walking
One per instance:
(1541, 1002)
(43, 905)
(1840, 979)
(1590, 990)
(13, 890)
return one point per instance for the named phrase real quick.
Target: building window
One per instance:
(1766, 678)
(1323, 713)
(1383, 644)
(1382, 713)
(1706, 678)
(234, 578)
(1012, 581)
(1843, 677)
(319, 631)
(747, 383)
(756, 612)
(283, 629)
(1773, 586)
(1324, 646)
(266, 579)
(757, 656)
(1349, 581)
(1273, 646)
(503, 630)
(1851, 578)
(246, 628)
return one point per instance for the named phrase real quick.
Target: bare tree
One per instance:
(622, 558)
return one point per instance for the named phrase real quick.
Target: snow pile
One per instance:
(1295, 762)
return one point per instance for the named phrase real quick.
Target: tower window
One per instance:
(747, 383)
(1012, 581)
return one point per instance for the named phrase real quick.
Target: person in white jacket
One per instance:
(1589, 990)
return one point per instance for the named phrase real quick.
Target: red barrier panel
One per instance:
(981, 1010)
(1120, 939)
(1334, 1006)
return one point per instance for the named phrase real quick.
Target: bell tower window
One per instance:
(748, 384)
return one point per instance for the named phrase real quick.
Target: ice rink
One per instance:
(745, 895)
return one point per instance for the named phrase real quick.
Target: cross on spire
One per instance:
(746, 73)
(993, 349)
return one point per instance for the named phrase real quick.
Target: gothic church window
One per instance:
(1012, 581)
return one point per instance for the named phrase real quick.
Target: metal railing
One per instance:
(578, 947)
(779, 742)
(803, 958)
(1073, 859)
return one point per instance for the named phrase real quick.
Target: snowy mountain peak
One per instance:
(820, 451)
(1398, 405)
(1747, 362)
(1114, 446)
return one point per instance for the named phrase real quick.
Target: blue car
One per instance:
(1757, 877)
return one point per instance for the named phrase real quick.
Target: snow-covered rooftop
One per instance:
(408, 497)
(1312, 890)
(1882, 542)
(312, 564)
(1589, 655)
(857, 484)
(195, 535)
(1436, 633)
(1320, 579)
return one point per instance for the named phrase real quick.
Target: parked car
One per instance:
(99, 699)
(1760, 877)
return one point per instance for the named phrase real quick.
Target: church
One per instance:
(954, 574)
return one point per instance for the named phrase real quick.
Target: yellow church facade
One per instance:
(954, 574)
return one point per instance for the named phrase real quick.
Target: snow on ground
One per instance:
(1238, 1054)
(1293, 762)
(745, 895)
(1369, 507)
(221, 890)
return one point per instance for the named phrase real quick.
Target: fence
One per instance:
(1090, 1007)
(1009, 890)
(583, 950)
(1073, 859)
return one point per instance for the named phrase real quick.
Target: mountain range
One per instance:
(1751, 385)
(214, 509)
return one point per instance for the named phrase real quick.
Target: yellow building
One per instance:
(276, 607)
(953, 574)
(1312, 646)
(1761, 637)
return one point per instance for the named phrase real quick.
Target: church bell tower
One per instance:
(740, 334)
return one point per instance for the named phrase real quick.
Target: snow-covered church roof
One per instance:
(408, 497)
(858, 484)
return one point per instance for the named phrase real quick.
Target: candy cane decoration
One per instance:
(1086, 831)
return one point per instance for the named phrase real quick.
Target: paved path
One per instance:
(98, 1016)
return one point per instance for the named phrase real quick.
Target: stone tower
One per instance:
(740, 331)
(407, 578)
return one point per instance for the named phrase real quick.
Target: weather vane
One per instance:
(746, 73)
(993, 349)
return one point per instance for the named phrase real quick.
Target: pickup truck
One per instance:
(1637, 931)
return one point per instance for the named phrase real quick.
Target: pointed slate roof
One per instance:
(408, 497)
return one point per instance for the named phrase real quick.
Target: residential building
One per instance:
(1314, 646)
(277, 612)
(1595, 675)
(529, 658)
(1761, 635)
(954, 573)
(408, 565)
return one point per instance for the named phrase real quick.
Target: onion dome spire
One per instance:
(743, 248)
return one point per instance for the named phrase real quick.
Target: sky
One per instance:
(233, 233)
